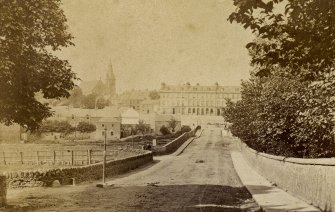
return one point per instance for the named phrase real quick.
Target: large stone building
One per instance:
(108, 118)
(196, 100)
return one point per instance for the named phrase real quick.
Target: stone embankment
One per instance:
(70, 175)
(173, 145)
(312, 180)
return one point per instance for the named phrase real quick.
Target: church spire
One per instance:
(110, 80)
(110, 70)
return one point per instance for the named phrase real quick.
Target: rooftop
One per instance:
(64, 111)
(188, 87)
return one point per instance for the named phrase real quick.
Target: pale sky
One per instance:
(154, 41)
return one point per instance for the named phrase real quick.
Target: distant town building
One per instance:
(109, 125)
(133, 99)
(108, 118)
(197, 99)
(100, 88)
(149, 106)
(130, 117)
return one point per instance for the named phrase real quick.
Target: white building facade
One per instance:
(196, 100)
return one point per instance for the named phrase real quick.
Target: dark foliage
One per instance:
(56, 126)
(164, 130)
(185, 128)
(30, 32)
(85, 127)
(287, 106)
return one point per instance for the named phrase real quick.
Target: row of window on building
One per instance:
(201, 95)
(211, 103)
(193, 111)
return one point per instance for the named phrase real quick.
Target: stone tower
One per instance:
(110, 81)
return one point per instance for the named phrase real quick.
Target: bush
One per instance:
(148, 137)
(56, 126)
(85, 127)
(178, 133)
(164, 130)
(185, 129)
(168, 136)
(281, 116)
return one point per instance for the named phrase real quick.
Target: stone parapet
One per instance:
(312, 180)
(173, 145)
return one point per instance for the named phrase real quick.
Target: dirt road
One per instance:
(200, 179)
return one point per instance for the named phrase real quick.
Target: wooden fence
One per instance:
(60, 157)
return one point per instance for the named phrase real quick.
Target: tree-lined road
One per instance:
(202, 178)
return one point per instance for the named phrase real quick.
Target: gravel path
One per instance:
(200, 179)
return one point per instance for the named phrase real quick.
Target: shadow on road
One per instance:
(153, 197)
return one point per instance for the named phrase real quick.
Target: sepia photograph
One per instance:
(167, 105)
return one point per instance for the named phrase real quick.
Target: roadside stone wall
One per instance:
(312, 180)
(3, 191)
(173, 145)
(78, 174)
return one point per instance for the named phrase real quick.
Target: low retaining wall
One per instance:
(3, 191)
(312, 180)
(79, 174)
(173, 145)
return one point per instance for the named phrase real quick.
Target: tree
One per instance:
(185, 128)
(102, 103)
(142, 127)
(164, 130)
(297, 41)
(89, 101)
(173, 123)
(85, 127)
(154, 95)
(31, 31)
(287, 105)
(56, 126)
(76, 96)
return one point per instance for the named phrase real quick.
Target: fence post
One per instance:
(72, 158)
(54, 157)
(21, 157)
(4, 158)
(89, 156)
(38, 158)
(62, 158)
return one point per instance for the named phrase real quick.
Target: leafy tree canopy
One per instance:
(287, 106)
(173, 123)
(143, 127)
(89, 101)
(298, 35)
(56, 126)
(85, 127)
(102, 103)
(154, 95)
(164, 130)
(30, 32)
(76, 96)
